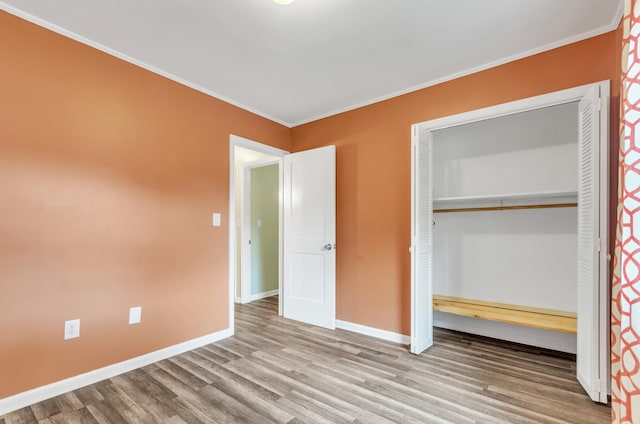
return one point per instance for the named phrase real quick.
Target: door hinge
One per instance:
(599, 245)
(249, 241)
(598, 104)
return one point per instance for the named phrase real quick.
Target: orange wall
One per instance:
(109, 175)
(374, 177)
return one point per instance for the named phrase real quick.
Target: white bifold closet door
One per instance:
(422, 241)
(591, 347)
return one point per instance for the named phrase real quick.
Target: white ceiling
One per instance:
(314, 58)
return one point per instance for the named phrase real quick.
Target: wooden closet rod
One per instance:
(506, 208)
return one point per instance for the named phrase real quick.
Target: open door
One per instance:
(422, 241)
(592, 312)
(309, 237)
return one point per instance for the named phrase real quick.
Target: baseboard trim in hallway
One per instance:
(262, 295)
(15, 402)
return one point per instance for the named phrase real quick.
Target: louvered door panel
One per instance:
(422, 234)
(588, 255)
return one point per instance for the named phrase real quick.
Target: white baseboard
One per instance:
(21, 400)
(262, 295)
(526, 335)
(373, 332)
(238, 300)
(563, 342)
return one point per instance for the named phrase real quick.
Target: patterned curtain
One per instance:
(625, 307)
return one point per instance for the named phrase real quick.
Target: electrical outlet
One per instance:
(135, 314)
(71, 329)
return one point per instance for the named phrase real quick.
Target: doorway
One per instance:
(259, 229)
(306, 235)
(244, 155)
(503, 192)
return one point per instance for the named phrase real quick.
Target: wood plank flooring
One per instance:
(279, 371)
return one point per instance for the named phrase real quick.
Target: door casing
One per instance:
(545, 100)
(237, 141)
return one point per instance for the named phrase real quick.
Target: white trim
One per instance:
(373, 332)
(245, 235)
(263, 295)
(281, 237)
(238, 141)
(70, 34)
(55, 28)
(470, 71)
(238, 300)
(21, 400)
(618, 16)
(573, 94)
(262, 162)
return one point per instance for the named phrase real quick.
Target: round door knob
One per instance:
(328, 246)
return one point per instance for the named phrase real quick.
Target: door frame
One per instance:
(545, 100)
(237, 141)
(245, 219)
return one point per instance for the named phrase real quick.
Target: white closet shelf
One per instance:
(556, 199)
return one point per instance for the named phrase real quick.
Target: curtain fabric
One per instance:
(625, 307)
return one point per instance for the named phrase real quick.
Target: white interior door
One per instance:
(590, 341)
(309, 236)
(422, 241)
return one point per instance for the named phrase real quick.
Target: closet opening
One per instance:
(505, 236)
(509, 226)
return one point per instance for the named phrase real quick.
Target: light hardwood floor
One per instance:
(276, 370)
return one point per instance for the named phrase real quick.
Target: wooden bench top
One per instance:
(547, 319)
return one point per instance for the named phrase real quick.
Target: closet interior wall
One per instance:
(483, 249)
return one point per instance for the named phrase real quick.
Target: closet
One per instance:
(505, 213)
(509, 226)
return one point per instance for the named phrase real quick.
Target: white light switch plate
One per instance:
(135, 314)
(216, 219)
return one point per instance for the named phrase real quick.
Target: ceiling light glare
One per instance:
(283, 1)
